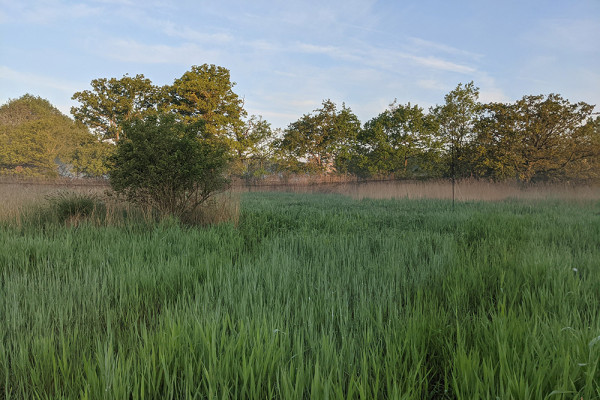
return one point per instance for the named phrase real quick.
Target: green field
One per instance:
(309, 296)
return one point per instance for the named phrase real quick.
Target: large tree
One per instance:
(35, 138)
(400, 141)
(252, 146)
(539, 138)
(112, 102)
(205, 93)
(493, 153)
(456, 119)
(324, 139)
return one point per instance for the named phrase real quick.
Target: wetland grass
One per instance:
(308, 296)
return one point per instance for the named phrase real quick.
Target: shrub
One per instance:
(168, 165)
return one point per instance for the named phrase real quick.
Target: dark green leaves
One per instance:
(166, 165)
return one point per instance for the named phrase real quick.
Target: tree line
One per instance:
(536, 138)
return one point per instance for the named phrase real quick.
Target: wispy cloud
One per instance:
(263, 45)
(385, 58)
(48, 12)
(197, 36)
(285, 74)
(192, 35)
(419, 44)
(132, 51)
(439, 64)
(335, 52)
(318, 49)
(34, 80)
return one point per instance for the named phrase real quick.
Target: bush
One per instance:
(168, 165)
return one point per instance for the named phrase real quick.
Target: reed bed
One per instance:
(308, 296)
(465, 190)
(18, 196)
(39, 202)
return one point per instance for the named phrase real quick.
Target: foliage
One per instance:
(91, 157)
(35, 136)
(324, 139)
(253, 146)
(168, 165)
(456, 119)
(205, 93)
(112, 102)
(309, 297)
(402, 141)
(202, 94)
(538, 138)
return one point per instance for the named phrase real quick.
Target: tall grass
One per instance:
(465, 190)
(318, 296)
(19, 198)
(68, 207)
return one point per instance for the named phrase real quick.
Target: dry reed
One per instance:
(16, 196)
(19, 198)
(468, 190)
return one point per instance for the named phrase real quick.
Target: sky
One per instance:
(286, 57)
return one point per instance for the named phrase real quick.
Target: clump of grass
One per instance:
(65, 208)
(73, 207)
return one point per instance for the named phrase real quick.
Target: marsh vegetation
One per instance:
(308, 295)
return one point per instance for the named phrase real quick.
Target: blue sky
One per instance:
(288, 56)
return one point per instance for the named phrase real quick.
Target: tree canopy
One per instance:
(202, 94)
(401, 141)
(205, 93)
(252, 147)
(536, 138)
(35, 138)
(456, 119)
(323, 139)
(112, 102)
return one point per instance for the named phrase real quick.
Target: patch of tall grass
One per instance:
(70, 207)
(317, 296)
